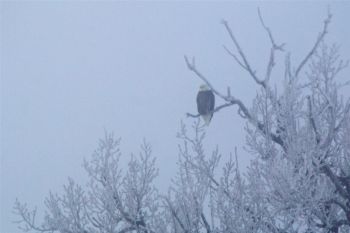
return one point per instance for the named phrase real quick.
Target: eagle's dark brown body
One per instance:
(205, 104)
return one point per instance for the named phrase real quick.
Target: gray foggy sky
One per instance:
(71, 70)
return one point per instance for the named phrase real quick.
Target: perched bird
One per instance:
(205, 103)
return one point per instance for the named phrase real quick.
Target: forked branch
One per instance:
(274, 48)
(244, 63)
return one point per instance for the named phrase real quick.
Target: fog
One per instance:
(71, 71)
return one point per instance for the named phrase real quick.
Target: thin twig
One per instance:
(235, 57)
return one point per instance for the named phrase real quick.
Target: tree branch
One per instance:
(127, 229)
(206, 224)
(215, 110)
(245, 63)
(28, 218)
(312, 121)
(318, 41)
(235, 57)
(192, 67)
(335, 181)
(173, 212)
(341, 205)
(345, 113)
(274, 47)
(277, 47)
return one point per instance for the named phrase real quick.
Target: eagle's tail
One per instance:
(207, 118)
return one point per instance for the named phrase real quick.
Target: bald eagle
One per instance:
(205, 103)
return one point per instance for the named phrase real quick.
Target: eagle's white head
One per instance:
(204, 87)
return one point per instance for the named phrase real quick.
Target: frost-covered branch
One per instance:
(316, 45)
(64, 214)
(115, 201)
(27, 218)
(312, 120)
(274, 48)
(244, 63)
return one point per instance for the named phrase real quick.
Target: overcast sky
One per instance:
(69, 71)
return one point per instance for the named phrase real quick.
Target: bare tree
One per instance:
(115, 201)
(300, 179)
(199, 201)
